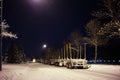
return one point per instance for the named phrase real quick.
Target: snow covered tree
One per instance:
(5, 33)
(15, 54)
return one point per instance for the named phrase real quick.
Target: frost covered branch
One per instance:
(5, 33)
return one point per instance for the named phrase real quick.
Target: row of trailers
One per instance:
(70, 63)
(66, 58)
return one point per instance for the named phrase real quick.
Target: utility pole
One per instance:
(1, 7)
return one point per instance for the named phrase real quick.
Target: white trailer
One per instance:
(76, 63)
(61, 62)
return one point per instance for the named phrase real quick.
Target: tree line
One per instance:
(15, 54)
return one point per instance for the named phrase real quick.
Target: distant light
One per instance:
(108, 60)
(118, 60)
(104, 60)
(101, 61)
(44, 46)
(113, 60)
(97, 61)
(34, 60)
(119, 29)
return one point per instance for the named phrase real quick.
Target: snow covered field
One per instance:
(37, 71)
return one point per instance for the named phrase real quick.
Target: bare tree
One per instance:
(94, 37)
(109, 14)
(52, 53)
(76, 40)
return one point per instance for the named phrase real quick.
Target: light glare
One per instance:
(44, 46)
(36, 1)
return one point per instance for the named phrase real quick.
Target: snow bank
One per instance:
(12, 72)
(108, 69)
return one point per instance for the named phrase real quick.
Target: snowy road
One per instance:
(36, 71)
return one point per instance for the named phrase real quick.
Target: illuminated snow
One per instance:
(36, 71)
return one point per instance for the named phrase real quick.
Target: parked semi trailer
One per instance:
(77, 63)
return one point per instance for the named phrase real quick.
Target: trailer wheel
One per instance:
(67, 65)
(70, 66)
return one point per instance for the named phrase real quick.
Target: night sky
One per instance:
(47, 21)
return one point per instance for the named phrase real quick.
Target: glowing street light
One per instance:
(44, 46)
(37, 2)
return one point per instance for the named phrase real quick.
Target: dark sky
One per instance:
(48, 21)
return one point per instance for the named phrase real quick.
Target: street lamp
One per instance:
(44, 46)
(1, 7)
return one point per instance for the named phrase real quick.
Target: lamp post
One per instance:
(1, 7)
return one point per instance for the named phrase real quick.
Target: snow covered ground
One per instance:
(110, 69)
(37, 71)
